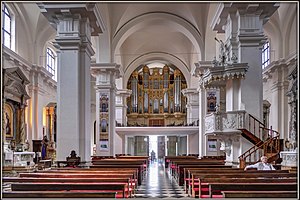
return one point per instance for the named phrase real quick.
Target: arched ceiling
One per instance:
(168, 32)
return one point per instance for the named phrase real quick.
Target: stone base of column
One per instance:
(289, 158)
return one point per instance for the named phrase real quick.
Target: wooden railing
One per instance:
(270, 146)
(256, 127)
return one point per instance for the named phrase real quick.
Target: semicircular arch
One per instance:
(160, 57)
(182, 25)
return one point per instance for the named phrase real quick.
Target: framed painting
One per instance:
(212, 145)
(103, 145)
(8, 121)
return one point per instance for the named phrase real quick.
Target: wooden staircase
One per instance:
(266, 142)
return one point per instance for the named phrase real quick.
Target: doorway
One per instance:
(153, 147)
(161, 145)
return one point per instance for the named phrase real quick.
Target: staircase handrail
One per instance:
(274, 137)
(256, 147)
(253, 129)
(256, 120)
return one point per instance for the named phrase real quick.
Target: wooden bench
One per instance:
(187, 178)
(217, 187)
(60, 194)
(118, 171)
(169, 158)
(112, 166)
(71, 186)
(173, 166)
(259, 194)
(183, 170)
(204, 182)
(79, 177)
(130, 189)
(196, 176)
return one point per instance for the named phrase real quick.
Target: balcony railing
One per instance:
(225, 122)
(167, 122)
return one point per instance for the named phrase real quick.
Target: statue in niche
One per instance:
(224, 51)
(7, 124)
(44, 147)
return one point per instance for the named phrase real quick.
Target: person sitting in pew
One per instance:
(263, 165)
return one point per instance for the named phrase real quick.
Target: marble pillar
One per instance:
(244, 39)
(75, 24)
(192, 105)
(106, 75)
(121, 106)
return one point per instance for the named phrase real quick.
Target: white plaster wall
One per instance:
(193, 144)
(119, 114)
(251, 86)
(118, 144)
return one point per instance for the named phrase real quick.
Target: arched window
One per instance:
(7, 27)
(51, 63)
(265, 57)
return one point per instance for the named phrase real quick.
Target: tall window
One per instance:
(265, 57)
(6, 27)
(51, 64)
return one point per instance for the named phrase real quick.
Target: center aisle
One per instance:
(159, 184)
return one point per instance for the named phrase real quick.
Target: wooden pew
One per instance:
(187, 171)
(195, 176)
(78, 177)
(259, 194)
(112, 166)
(130, 190)
(173, 167)
(204, 182)
(60, 194)
(71, 186)
(118, 171)
(182, 173)
(169, 158)
(213, 187)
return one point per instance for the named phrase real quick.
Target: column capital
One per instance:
(189, 92)
(200, 67)
(192, 95)
(106, 74)
(106, 68)
(87, 10)
(124, 93)
(263, 10)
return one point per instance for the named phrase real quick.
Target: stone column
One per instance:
(106, 74)
(33, 104)
(198, 71)
(121, 105)
(192, 105)
(244, 37)
(293, 100)
(202, 114)
(75, 24)
(22, 124)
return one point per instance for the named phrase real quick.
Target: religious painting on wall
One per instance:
(103, 145)
(103, 122)
(212, 145)
(211, 101)
(8, 121)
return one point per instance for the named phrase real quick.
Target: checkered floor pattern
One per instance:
(159, 184)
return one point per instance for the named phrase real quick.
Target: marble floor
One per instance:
(159, 184)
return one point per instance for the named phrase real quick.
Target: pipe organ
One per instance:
(156, 98)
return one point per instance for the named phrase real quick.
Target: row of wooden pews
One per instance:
(211, 178)
(107, 178)
(177, 164)
(139, 162)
